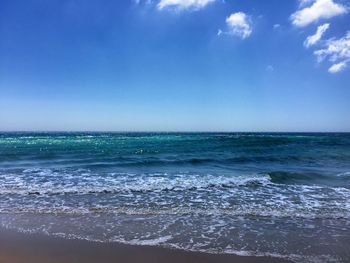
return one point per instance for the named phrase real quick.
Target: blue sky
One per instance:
(175, 65)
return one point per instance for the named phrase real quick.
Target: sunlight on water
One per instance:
(285, 195)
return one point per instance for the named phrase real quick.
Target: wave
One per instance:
(134, 161)
(124, 183)
(289, 177)
(345, 174)
(245, 212)
(263, 195)
(37, 182)
(192, 161)
(309, 178)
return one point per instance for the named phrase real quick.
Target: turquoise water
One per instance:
(280, 194)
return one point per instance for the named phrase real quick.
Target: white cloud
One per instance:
(312, 40)
(337, 67)
(337, 51)
(275, 26)
(320, 9)
(270, 68)
(303, 3)
(239, 25)
(143, 2)
(183, 4)
(138, 2)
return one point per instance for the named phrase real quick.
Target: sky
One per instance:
(175, 65)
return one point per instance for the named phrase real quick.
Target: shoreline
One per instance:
(16, 247)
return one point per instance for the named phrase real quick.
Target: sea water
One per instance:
(276, 194)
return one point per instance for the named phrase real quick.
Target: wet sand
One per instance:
(36, 248)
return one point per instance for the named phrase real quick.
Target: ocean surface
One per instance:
(280, 194)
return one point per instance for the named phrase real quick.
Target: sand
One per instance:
(38, 248)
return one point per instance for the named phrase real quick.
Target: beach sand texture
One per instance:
(35, 248)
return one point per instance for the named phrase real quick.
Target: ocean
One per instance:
(263, 194)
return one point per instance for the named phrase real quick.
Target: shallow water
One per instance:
(286, 195)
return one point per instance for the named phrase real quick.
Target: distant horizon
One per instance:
(154, 131)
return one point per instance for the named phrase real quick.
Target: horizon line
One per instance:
(145, 131)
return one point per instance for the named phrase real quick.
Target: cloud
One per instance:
(337, 67)
(337, 51)
(183, 4)
(270, 68)
(303, 3)
(312, 40)
(276, 26)
(320, 9)
(238, 24)
(138, 2)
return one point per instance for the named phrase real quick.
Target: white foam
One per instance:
(150, 242)
(81, 191)
(343, 174)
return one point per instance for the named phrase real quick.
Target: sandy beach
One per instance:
(27, 248)
(222, 194)
(174, 131)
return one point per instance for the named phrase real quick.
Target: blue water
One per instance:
(279, 194)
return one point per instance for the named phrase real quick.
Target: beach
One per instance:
(38, 248)
(187, 197)
(174, 131)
